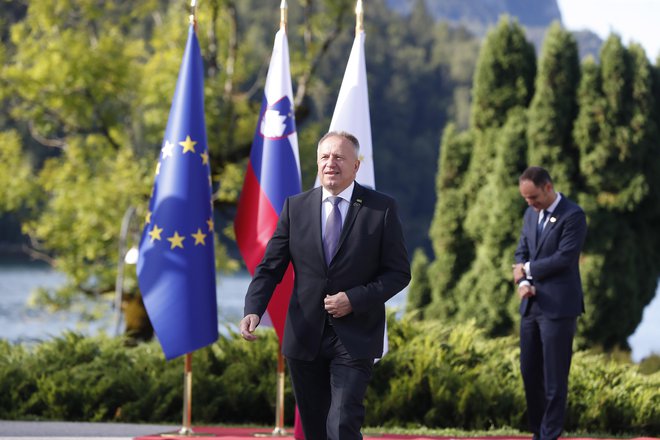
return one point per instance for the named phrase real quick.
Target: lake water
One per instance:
(21, 323)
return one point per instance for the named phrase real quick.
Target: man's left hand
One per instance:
(338, 305)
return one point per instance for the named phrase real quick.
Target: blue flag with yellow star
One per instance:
(176, 267)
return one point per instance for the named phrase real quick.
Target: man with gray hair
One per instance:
(347, 248)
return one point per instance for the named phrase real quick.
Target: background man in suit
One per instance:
(548, 278)
(347, 248)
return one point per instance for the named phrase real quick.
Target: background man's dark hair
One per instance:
(539, 176)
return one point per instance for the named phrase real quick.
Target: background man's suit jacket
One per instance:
(554, 259)
(371, 265)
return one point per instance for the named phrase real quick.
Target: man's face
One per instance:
(538, 197)
(337, 164)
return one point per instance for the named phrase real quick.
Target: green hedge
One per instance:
(434, 376)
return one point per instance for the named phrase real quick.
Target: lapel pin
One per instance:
(553, 219)
(358, 202)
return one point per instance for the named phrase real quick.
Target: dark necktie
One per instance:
(332, 230)
(539, 225)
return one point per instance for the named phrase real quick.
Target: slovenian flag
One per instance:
(176, 264)
(272, 175)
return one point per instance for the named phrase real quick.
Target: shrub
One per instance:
(434, 376)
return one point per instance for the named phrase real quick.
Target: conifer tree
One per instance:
(486, 291)
(419, 291)
(503, 83)
(554, 108)
(504, 77)
(453, 251)
(504, 80)
(617, 134)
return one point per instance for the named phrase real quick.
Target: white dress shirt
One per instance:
(326, 205)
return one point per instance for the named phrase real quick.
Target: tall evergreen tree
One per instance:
(503, 83)
(485, 290)
(617, 134)
(453, 251)
(504, 77)
(503, 80)
(419, 291)
(554, 108)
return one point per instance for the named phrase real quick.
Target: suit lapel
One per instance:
(353, 209)
(552, 223)
(315, 208)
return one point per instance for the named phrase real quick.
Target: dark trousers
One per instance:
(546, 346)
(330, 391)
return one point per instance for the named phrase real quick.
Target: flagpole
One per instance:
(279, 405)
(359, 17)
(186, 425)
(186, 428)
(283, 14)
(193, 13)
(279, 402)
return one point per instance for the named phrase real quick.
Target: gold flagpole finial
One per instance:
(193, 13)
(359, 17)
(283, 12)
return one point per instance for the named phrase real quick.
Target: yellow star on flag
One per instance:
(209, 222)
(176, 240)
(155, 233)
(205, 157)
(188, 145)
(158, 169)
(147, 219)
(199, 237)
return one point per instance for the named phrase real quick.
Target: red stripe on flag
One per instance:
(254, 225)
(255, 221)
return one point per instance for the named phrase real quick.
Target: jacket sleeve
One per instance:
(271, 269)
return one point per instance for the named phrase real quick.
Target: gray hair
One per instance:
(342, 134)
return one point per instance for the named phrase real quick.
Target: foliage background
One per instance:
(434, 376)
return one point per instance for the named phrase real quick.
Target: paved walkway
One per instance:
(12, 430)
(77, 430)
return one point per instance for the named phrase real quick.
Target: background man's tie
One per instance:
(332, 230)
(539, 225)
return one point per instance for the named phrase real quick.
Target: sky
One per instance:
(633, 20)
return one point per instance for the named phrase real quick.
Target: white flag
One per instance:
(352, 110)
(352, 115)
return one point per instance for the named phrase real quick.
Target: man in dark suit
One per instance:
(549, 285)
(348, 252)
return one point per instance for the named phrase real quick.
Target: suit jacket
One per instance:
(554, 259)
(371, 265)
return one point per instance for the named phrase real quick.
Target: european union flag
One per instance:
(176, 269)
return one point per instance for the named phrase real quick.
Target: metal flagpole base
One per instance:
(281, 432)
(186, 432)
(277, 432)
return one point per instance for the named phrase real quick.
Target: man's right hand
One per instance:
(518, 272)
(248, 325)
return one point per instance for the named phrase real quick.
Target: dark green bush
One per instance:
(434, 375)
(99, 379)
